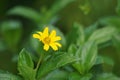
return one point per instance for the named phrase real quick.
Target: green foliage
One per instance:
(57, 75)
(77, 34)
(116, 42)
(12, 31)
(90, 29)
(25, 12)
(8, 76)
(112, 20)
(103, 35)
(87, 54)
(56, 61)
(58, 5)
(76, 76)
(25, 65)
(108, 76)
(90, 47)
(118, 7)
(50, 16)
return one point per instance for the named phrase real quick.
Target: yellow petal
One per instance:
(45, 32)
(53, 34)
(54, 46)
(58, 44)
(56, 38)
(40, 33)
(46, 47)
(36, 36)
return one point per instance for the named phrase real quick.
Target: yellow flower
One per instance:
(48, 40)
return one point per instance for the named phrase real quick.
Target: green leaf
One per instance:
(111, 21)
(27, 72)
(116, 42)
(81, 37)
(88, 54)
(76, 35)
(8, 76)
(108, 60)
(103, 59)
(2, 45)
(58, 60)
(108, 64)
(90, 29)
(72, 49)
(102, 35)
(74, 76)
(77, 76)
(51, 15)
(25, 12)
(25, 65)
(25, 59)
(57, 75)
(99, 60)
(118, 7)
(107, 76)
(58, 5)
(11, 31)
(73, 35)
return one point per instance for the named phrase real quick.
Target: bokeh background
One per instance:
(19, 18)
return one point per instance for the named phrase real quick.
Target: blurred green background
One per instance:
(19, 18)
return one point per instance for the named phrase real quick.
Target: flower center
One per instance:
(47, 40)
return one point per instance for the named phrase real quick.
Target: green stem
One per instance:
(38, 64)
